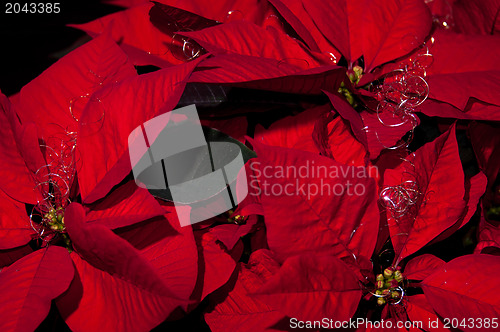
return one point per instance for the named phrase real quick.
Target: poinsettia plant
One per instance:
(371, 183)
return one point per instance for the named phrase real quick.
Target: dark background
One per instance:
(30, 43)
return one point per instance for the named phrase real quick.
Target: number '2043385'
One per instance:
(471, 323)
(32, 8)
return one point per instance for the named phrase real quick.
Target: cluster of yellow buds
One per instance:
(236, 219)
(354, 76)
(388, 286)
(55, 219)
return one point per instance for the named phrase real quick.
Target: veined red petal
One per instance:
(311, 287)
(114, 279)
(106, 124)
(435, 178)
(28, 287)
(124, 206)
(268, 74)
(293, 131)
(420, 311)
(231, 306)
(466, 282)
(15, 229)
(245, 38)
(15, 178)
(422, 266)
(323, 218)
(55, 99)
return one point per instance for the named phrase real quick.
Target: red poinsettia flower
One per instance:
(66, 145)
(344, 218)
(312, 272)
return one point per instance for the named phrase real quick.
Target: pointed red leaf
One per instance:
(15, 179)
(115, 279)
(65, 88)
(422, 266)
(311, 287)
(380, 136)
(473, 111)
(380, 30)
(476, 17)
(293, 131)
(392, 29)
(9, 256)
(348, 113)
(245, 38)
(97, 301)
(338, 22)
(343, 146)
(474, 190)
(28, 144)
(103, 140)
(457, 53)
(238, 311)
(488, 235)
(294, 13)
(126, 205)
(106, 251)
(137, 36)
(230, 234)
(466, 282)
(373, 131)
(420, 311)
(15, 227)
(435, 172)
(170, 248)
(261, 13)
(28, 287)
(268, 74)
(323, 218)
(461, 89)
(215, 266)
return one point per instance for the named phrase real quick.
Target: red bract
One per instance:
(15, 180)
(425, 195)
(294, 131)
(379, 30)
(485, 142)
(113, 271)
(371, 129)
(489, 237)
(462, 282)
(55, 99)
(322, 232)
(322, 222)
(478, 17)
(138, 37)
(462, 81)
(323, 285)
(234, 309)
(14, 223)
(421, 267)
(268, 74)
(419, 310)
(104, 134)
(29, 285)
